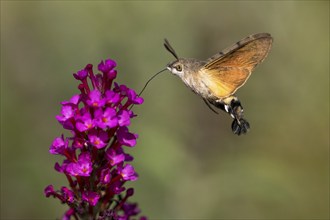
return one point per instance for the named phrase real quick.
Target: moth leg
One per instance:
(233, 106)
(210, 107)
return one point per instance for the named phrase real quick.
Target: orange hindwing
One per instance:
(228, 70)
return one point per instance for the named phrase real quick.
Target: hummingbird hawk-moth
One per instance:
(218, 78)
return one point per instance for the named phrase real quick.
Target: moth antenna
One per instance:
(170, 49)
(144, 87)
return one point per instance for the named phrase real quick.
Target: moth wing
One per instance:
(225, 81)
(228, 70)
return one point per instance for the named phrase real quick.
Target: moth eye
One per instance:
(178, 68)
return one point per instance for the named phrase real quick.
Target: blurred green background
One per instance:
(190, 164)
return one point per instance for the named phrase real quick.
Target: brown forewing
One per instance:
(228, 70)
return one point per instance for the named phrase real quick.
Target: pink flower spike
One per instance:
(94, 161)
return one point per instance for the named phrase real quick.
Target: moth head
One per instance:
(177, 67)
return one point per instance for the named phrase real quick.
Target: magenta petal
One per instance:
(105, 176)
(81, 126)
(95, 99)
(49, 190)
(106, 119)
(72, 169)
(67, 194)
(67, 113)
(132, 97)
(128, 173)
(68, 214)
(107, 66)
(112, 97)
(98, 139)
(126, 138)
(91, 197)
(124, 118)
(114, 157)
(81, 74)
(58, 146)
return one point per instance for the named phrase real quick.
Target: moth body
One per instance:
(218, 78)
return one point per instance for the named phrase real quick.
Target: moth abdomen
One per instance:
(233, 106)
(240, 126)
